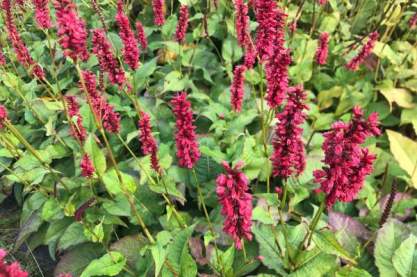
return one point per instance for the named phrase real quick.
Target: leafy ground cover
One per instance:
(208, 138)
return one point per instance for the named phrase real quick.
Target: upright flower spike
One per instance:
(42, 16)
(10, 270)
(148, 142)
(185, 138)
(250, 54)
(237, 88)
(289, 155)
(87, 167)
(72, 31)
(130, 46)
(277, 77)
(366, 50)
(141, 35)
(3, 116)
(232, 192)
(277, 63)
(241, 22)
(77, 129)
(22, 53)
(322, 49)
(108, 63)
(182, 24)
(270, 20)
(158, 7)
(346, 163)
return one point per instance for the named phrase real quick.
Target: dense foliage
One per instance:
(210, 138)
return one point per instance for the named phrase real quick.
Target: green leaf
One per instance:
(74, 235)
(352, 272)
(113, 185)
(268, 248)
(402, 97)
(174, 81)
(51, 210)
(178, 257)
(318, 265)
(110, 264)
(76, 260)
(327, 242)
(389, 238)
(96, 155)
(404, 150)
(405, 257)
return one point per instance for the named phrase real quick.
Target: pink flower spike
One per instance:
(185, 138)
(322, 49)
(237, 88)
(354, 64)
(236, 201)
(87, 167)
(147, 140)
(158, 7)
(241, 22)
(182, 24)
(141, 35)
(42, 13)
(130, 46)
(3, 116)
(289, 154)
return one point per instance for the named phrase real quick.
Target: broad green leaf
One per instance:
(74, 235)
(348, 271)
(51, 210)
(113, 185)
(268, 248)
(400, 96)
(317, 265)
(111, 264)
(405, 257)
(96, 155)
(404, 150)
(389, 238)
(328, 243)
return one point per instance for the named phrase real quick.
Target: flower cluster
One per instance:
(289, 155)
(2, 58)
(10, 270)
(77, 129)
(130, 46)
(185, 138)
(72, 31)
(158, 7)
(87, 167)
(141, 35)
(102, 109)
(232, 192)
(237, 88)
(148, 142)
(22, 53)
(322, 2)
(241, 22)
(277, 64)
(269, 18)
(3, 116)
(250, 54)
(347, 163)
(42, 13)
(366, 50)
(412, 22)
(323, 49)
(108, 62)
(182, 24)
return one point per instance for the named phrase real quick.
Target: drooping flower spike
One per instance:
(72, 31)
(366, 50)
(346, 163)
(185, 138)
(107, 61)
(236, 201)
(130, 47)
(77, 129)
(147, 140)
(289, 154)
(22, 53)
